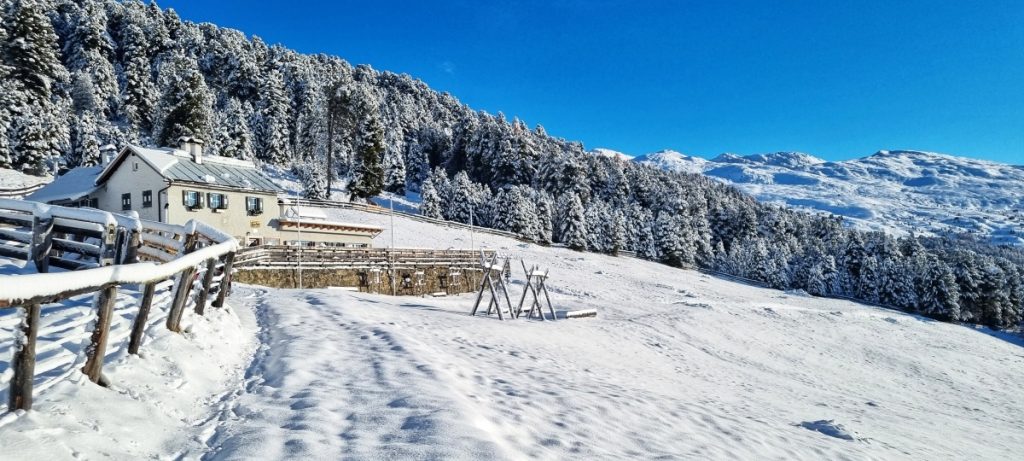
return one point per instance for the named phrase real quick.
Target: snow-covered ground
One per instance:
(677, 364)
(896, 191)
(158, 402)
(11, 179)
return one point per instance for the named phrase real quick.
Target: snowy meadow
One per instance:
(678, 364)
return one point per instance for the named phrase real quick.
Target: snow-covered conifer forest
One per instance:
(76, 75)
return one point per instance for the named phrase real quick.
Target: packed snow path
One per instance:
(329, 383)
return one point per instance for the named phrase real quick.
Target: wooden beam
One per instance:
(98, 345)
(42, 243)
(139, 324)
(182, 287)
(224, 288)
(24, 363)
(211, 266)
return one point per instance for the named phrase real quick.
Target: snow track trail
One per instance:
(328, 385)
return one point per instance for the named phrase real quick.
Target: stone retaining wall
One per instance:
(362, 279)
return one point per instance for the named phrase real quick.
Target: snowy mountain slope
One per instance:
(900, 191)
(678, 364)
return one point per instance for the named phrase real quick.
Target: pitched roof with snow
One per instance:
(73, 185)
(179, 166)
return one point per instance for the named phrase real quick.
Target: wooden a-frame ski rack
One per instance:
(493, 285)
(535, 284)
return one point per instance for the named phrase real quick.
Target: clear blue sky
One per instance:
(832, 78)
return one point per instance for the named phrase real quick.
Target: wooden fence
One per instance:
(107, 251)
(19, 192)
(291, 257)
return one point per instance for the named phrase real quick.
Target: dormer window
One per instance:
(192, 200)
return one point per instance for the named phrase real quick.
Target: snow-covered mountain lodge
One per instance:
(174, 185)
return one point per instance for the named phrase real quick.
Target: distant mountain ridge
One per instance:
(896, 190)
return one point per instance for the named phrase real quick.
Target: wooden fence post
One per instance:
(98, 347)
(211, 267)
(108, 248)
(132, 252)
(120, 245)
(42, 242)
(182, 287)
(24, 364)
(225, 281)
(139, 325)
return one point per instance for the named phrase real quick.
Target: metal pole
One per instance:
(471, 226)
(298, 217)
(391, 256)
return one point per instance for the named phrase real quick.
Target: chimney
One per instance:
(107, 153)
(193, 146)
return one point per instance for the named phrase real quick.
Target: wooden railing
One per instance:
(290, 257)
(105, 251)
(19, 192)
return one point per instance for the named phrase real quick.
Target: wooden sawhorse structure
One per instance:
(493, 284)
(535, 284)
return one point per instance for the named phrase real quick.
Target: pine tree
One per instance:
(8, 100)
(545, 220)
(939, 296)
(461, 202)
(515, 212)
(314, 181)
(90, 52)
(31, 143)
(618, 233)
(84, 143)
(394, 174)
(417, 164)
(430, 202)
(139, 94)
(673, 240)
(573, 231)
(232, 133)
(367, 172)
(867, 282)
(271, 124)
(83, 94)
(31, 54)
(186, 105)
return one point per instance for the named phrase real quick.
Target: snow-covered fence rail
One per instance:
(290, 257)
(191, 250)
(68, 238)
(19, 192)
